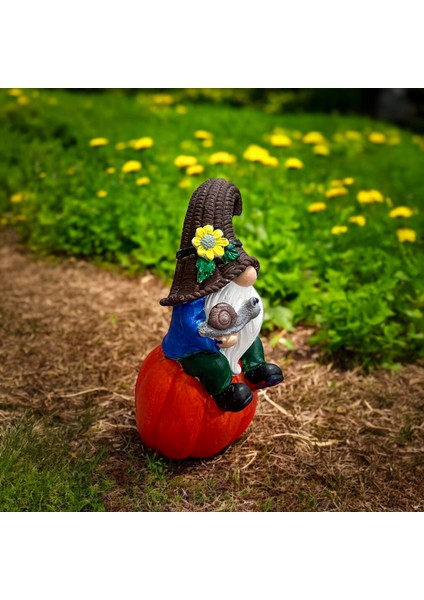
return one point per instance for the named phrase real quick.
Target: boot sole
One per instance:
(273, 380)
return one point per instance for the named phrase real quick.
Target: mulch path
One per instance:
(72, 340)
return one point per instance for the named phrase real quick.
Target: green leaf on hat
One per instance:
(205, 268)
(230, 254)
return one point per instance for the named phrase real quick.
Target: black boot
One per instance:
(265, 375)
(236, 397)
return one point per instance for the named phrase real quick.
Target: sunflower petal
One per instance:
(200, 232)
(218, 233)
(201, 251)
(218, 250)
(209, 253)
(222, 242)
(208, 229)
(196, 242)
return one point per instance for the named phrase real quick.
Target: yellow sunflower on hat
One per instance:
(209, 242)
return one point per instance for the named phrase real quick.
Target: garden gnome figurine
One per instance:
(217, 314)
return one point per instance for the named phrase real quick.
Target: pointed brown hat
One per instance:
(214, 203)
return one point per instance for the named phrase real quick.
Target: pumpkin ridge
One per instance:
(150, 371)
(193, 395)
(170, 391)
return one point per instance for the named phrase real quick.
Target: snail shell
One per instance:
(222, 316)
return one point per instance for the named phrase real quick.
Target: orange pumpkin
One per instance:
(176, 416)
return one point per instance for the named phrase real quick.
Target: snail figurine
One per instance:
(196, 393)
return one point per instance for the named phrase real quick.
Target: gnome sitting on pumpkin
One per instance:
(217, 314)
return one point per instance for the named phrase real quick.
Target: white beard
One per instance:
(235, 295)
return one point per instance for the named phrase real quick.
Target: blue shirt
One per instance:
(183, 338)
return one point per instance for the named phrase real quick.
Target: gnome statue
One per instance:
(216, 312)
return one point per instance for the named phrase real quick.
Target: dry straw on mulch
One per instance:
(73, 337)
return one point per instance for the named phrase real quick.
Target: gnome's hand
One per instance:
(226, 341)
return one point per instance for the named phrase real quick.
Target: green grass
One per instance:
(363, 289)
(39, 472)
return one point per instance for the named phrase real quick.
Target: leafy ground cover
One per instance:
(332, 205)
(73, 337)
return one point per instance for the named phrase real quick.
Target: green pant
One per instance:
(213, 368)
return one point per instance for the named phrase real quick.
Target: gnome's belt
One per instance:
(183, 252)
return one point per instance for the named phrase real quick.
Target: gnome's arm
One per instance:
(183, 337)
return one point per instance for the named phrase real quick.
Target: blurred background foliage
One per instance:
(404, 107)
(332, 197)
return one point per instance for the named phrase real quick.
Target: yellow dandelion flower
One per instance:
(99, 141)
(336, 191)
(23, 100)
(317, 207)
(293, 163)
(184, 183)
(142, 143)
(142, 181)
(270, 161)
(376, 137)
(209, 242)
(353, 135)
(184, 161)
(401, 211)
(321, 150)
(16, 198)
(131, 166)
(364, 197)
(369, 196)
(280, 141)
(201, 134)
(313, 137)
(358, 220)
(110, 170)
(336, 183)
(180, 109)
(195, 170)
(394, 141)
(377, 196)
(70, 171)
(222, 158)
(42, 175)
(207, 143)
(348, 181)
(15, 92)
(255, 153)
(406, 235)
(121, 146)
(163, 99)
(101, 194)
(338, 229)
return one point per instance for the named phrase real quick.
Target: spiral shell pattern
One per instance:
(222, 316)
